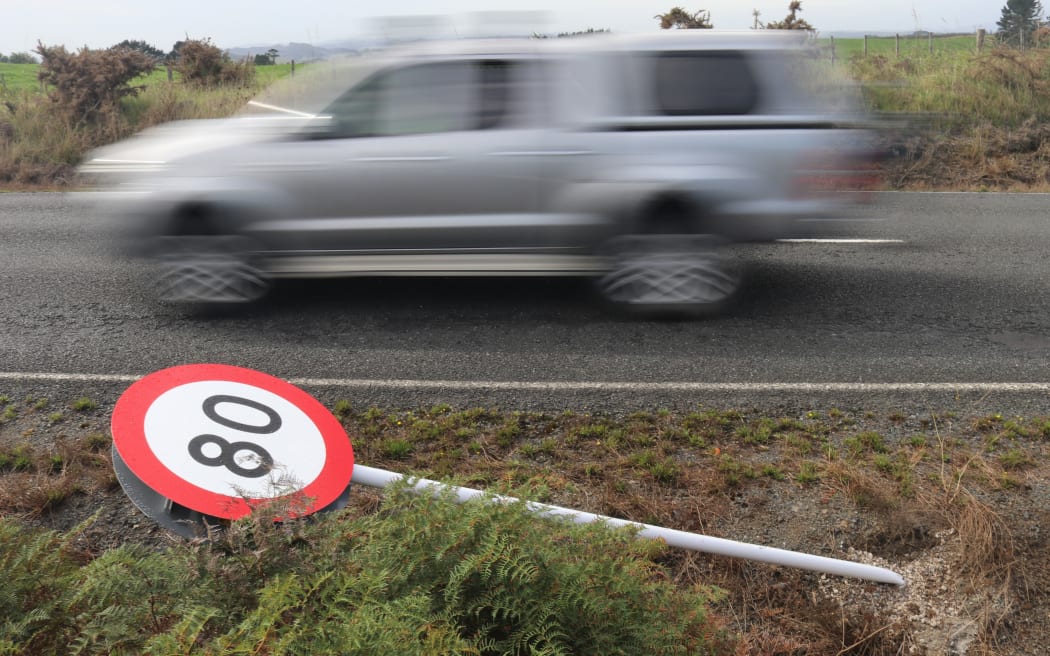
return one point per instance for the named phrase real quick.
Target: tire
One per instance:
(662, 275)
(207, 270)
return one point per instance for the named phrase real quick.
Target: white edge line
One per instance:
(841, 241)
(597, 386)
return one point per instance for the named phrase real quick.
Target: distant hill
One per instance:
(301, 52)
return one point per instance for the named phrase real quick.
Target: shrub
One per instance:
(88, 85)
(202, 63)
(423, 576)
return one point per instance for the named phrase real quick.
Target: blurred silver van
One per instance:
(632, 159)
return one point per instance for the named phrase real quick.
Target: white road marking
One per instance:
(841, 241)
(583, 386)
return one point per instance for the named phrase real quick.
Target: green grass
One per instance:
(18, 77)
(909, 46)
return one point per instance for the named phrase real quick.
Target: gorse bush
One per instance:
(423, 576)
(202, 63)
(87, 85)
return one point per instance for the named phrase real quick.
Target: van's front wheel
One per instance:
(207, 269)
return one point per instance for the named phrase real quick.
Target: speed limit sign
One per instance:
(217, 440)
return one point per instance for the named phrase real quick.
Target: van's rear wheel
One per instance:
(670, 275)
(207, 269)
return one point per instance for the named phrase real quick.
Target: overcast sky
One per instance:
(231, 23)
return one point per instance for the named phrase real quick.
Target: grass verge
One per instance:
(955, 504)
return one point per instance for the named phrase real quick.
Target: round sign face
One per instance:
(220, 439)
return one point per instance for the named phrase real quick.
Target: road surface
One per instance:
(944, 305)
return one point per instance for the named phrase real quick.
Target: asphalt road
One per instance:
(943, 319)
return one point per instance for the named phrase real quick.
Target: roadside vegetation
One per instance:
(953, 503)
(957, 117)
(53, 112)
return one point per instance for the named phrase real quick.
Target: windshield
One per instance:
(313, 87)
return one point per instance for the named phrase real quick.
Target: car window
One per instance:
(703, 84)
(428, 98)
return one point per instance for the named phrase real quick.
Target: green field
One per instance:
(22, 77)
(18, 77)
(909, 46)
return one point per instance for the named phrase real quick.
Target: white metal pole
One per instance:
(372, 477)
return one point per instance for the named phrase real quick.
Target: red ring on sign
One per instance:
(129, 438)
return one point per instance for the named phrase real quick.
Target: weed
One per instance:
(644, 440)
(987, 423)
(808, 472)
(665, 471)
(465, 433)
(54, 417)
(770, 470)
(9, 413)
(342, 409)
(863, 442)
(97, 441)
(1015, 459)
(508, 433)
(733, 471)
(799, 444)
(759, 432)
(18, 459)
(1044, 428)
(84, 404)
(592, 431)
(423, 429)
(786, 424)
(395, 448)
(1013, 429)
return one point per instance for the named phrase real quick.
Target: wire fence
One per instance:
(906, 45)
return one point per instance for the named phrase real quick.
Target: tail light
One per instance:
(825, 173)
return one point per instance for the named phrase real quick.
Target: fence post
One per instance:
(171, 76)
(980, 39)
(293, 68)
(832, 50)
(929, 36)
(897, 45)
(865, 45)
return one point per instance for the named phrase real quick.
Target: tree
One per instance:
(154, 53)
(268, 58)
(21, 58)
(1019, 21)
(680, 19)
(173, 56)
(792, 21)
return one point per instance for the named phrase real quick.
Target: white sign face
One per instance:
(234, 439)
